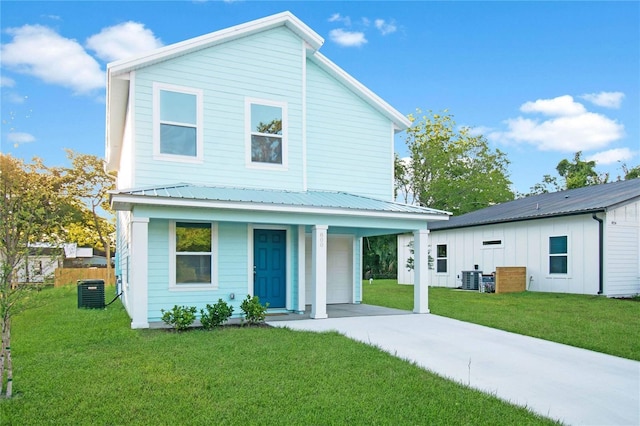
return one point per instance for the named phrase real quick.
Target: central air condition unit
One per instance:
(471, 280)
(91, 294)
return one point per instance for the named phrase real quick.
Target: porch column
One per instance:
(302, 268)
(138, 279)
(421, 271)
(319, 271)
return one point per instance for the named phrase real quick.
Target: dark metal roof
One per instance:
(311, 199)
(563, 203)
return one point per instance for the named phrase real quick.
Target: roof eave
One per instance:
(126, 202)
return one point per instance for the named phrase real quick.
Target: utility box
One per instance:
(91, 294)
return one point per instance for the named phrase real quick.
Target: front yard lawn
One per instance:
(82, 366)
(597, 323)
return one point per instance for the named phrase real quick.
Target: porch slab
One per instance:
(343, 310)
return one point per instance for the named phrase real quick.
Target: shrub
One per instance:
(180, 317)
(253, 311)
(216, 315)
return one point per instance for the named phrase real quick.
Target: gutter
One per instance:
(600, 253)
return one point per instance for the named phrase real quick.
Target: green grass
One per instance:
(592, 322)
(77, 366)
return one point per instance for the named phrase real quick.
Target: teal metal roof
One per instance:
(310, 199)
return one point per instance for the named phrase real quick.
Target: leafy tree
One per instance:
(380, 256)
(631, 173)
(87, 185)
(580, 173)
(30, 210)
(576, 174)
(451, 169)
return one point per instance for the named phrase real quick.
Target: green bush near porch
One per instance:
(83, 366)
(591, 322)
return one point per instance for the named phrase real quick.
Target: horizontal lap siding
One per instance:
(349, 144)
(622, 260)
(264, 66)
(231, 265)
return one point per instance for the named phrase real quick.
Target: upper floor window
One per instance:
(558, 251)
(266, 133)
(177, 123)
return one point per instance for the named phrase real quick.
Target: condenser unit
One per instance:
(471, 280)
(91, 294)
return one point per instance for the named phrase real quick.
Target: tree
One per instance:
(380, 256)
(451, 169)
(631, 173)
(580, 173)
(29, 213)
(576, 174)
(88, 184)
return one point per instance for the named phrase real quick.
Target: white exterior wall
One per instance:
(525, 244)
(622, 250)
(405, 275)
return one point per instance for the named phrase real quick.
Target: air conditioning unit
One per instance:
(471, 280)
(91, 294)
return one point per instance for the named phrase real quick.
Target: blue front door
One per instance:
(269, 266)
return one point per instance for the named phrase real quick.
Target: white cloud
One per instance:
(570, 128)
(7, 82)
(122, 41)
(605, 99)
(560, 106)
(17, 138)
(15, 98)
(611, 156)
(385, 27)
(347, 38)
(336, 17)
(41, 52)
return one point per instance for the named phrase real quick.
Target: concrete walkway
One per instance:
(575, 386)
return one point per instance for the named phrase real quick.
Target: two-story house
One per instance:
(249, 164)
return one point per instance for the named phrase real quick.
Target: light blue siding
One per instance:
(231, 262)
(265, 66)
(349, 144)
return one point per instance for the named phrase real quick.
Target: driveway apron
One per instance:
(573, 385)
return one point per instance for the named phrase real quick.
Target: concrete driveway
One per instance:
(575, 386)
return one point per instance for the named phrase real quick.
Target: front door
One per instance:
(269, 266)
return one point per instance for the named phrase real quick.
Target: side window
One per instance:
(266, 134)
(441, 258)
(177, 123)
(558, 255)
(193, 250)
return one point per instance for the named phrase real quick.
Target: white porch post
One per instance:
(319, 271)
(138, 279)
(421, 271)
(302, 284)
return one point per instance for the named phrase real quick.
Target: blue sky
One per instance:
(541, 80)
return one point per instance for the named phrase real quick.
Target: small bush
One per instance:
(216, 315)
(253, 312)
(180, 317)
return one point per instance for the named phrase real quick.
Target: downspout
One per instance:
(600, 253)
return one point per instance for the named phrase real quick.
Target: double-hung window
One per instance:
(441, 258)
(193, 251)
(177, 123)
(558, 251)
(266, 133)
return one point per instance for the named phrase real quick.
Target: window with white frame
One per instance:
(193, 247)
(441, 258)
(266, 131)
(558, 251)
(177, 123)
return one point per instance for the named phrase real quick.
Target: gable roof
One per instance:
(589, 199)
(323, 202)
(118, 73)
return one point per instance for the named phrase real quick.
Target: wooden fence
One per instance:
(511, 279)
(68, 276)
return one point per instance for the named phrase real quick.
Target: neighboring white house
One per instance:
(584, 240)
